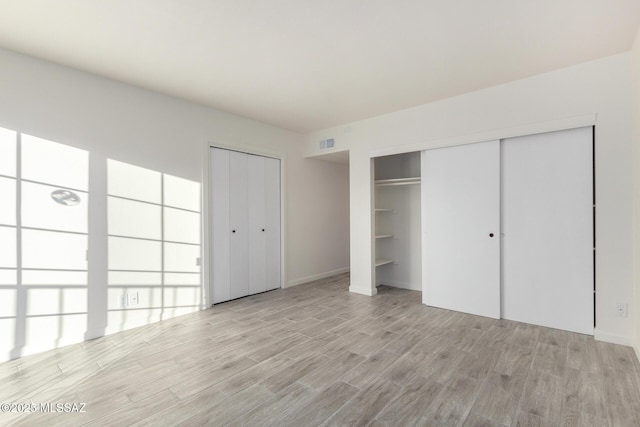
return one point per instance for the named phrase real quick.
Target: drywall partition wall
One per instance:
(597, 92)
(635, 73)
(130, 132)
(327, 185)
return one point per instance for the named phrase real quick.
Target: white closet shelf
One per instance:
(397, 181)
(383, 236)
(383, 261)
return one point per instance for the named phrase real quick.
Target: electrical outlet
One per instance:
(133, 298)
(129, 299)
(621, 309)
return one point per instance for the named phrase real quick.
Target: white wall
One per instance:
(635, 73)
(597, 91)
(319, 228)
(117, 121)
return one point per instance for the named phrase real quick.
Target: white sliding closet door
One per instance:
(272, 222)
(220, 227)
(256, 230)
(547, 221)
(461, 228)
(239, 220)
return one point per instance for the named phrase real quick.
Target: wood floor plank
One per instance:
(370, 368)
(582, 355)
(479, 363)
(227, 410)
(525, 419)
(404, 341)
(322, 406)
(453, 404)
(366, 345)
(315, 354)
(292, 373)
(365, 405)
(409, 405)
(407, 368)
(444, 365)
(550, 358)
(515, 360)
(204, 378)
(322, 326)
(143, 408)
(622, 416)
(311, 346)
(583, 392)
(475, 420)
(331, 370)
(499, 398)
(497, 336)
(542, 395)
(271, 349)
(185, 409)
(253, 375)
(572, 418)
(283, 404)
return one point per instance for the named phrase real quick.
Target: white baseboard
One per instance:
(613, 339)
(319, 276)
(363, 291)
(402, 285)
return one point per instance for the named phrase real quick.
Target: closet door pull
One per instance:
(263, 229)
(490, 234)
(233, 231)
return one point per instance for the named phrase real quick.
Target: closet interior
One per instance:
(397, 221)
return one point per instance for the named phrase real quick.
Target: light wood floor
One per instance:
(315, 354)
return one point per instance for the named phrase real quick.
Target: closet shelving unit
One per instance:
(383, 261)
(395, 179)
(379, 235)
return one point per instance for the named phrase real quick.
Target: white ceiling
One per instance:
(305, 65)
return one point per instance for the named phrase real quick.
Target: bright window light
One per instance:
(8, 247)
(52, 277)
(40, 210)
(134, 219)
(134, 254)
(154, 245)
(181, 258)
(133, 182)
(181, 226)
(8, 140)
(134, 278)
(56, 301)
(7, 201)
(54, 250)
(54, 164)
(8, 298)
(181, 193)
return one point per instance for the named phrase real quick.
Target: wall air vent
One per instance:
(327, 143)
